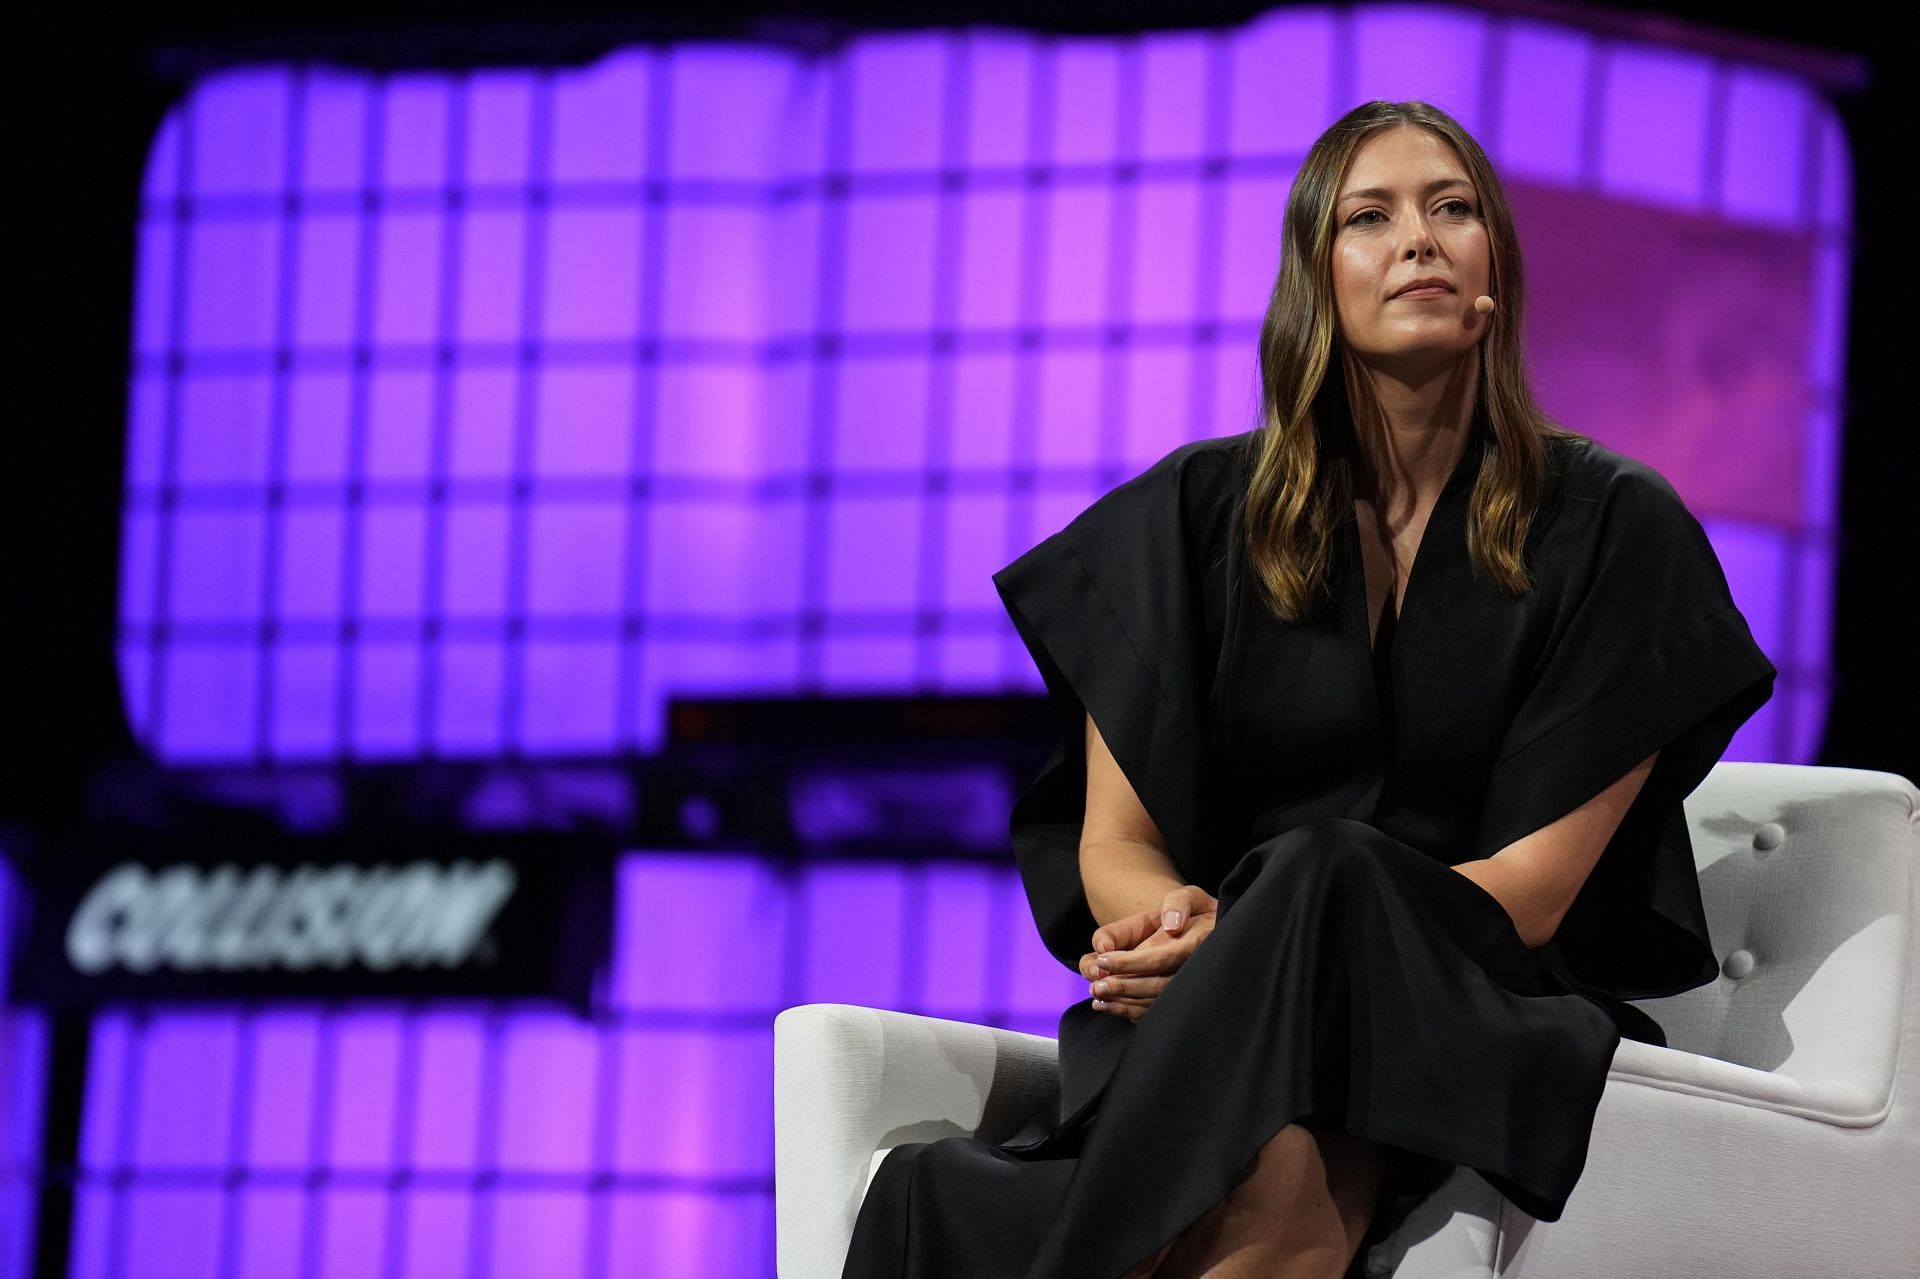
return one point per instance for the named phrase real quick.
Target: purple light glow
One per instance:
(593, 283)
(1174, 77)
(1286, 65)
(571, 702)
(212, 690)
(319, 412)
(1080, 81)
(1658, 105)
(230, 288)
(270, 1228)
(1419, 52)
(406, 271)
(305, 690)
(351, 1225)
(241, 134)
(894, 85)
(384, 678)
(872, 395)
(174, 1232)
(602, 124)
(332, 140)
(488, 308)
(997, 122)
(1763, 181)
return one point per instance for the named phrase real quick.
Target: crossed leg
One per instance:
(1299, 1211)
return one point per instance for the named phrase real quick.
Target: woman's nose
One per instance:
(1419, 241)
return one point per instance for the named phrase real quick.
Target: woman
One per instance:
(1365, 819)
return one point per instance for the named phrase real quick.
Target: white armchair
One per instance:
(1777, 1138)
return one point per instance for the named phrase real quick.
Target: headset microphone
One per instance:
(1483, 304)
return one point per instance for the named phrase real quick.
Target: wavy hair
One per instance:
(1302, 485)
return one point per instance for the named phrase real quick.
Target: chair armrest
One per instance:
(1668, 1069)
(1698, 1166)
(851, 1081)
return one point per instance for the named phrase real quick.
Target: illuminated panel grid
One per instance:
(471, 413)
(495, 1140)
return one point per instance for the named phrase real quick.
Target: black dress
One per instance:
(1322, 790)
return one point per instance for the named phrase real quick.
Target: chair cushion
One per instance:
(1808, 878)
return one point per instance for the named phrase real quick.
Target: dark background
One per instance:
(94, 89)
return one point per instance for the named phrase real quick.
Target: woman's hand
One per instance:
(1134, 958)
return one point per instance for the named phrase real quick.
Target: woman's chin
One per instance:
(1419, 356)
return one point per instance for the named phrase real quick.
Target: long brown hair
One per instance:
(1303, 482)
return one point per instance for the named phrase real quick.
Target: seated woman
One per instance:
(1361, 877)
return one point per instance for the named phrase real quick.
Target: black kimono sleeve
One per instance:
(1121, 612)
(1646, 652)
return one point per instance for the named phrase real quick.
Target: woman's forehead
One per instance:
(1405, 158)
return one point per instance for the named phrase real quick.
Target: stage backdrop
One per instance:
(474, 413)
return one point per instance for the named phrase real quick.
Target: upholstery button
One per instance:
(1738, 964)
(1771, 835)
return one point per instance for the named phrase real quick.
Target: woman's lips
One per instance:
(1429, 291)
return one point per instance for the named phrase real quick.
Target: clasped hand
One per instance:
(1134, 958)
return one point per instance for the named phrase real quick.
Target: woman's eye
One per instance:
(1360, 218)
(1458, 208)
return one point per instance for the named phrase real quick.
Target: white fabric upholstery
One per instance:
(1777, 1138)
(851, 1083)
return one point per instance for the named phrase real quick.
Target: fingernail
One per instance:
(1170, 920)
(1099, 988)
(1101, 1004)
(1101, 960)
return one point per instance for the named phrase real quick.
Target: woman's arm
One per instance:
(1537, 876)
(1123, 857)
(1150, 922)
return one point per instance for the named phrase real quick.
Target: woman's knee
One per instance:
(1351, 1167)
(1330, 853)
(1304, 1159)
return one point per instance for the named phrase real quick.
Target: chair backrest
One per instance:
(1809, 879)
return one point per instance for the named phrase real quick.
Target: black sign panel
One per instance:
(138, 916)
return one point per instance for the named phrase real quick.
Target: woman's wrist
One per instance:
(1123, 878)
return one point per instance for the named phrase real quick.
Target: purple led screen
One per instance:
(476, 413)
(492, 1140)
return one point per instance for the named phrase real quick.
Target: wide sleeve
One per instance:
(1121, 611)
(1645, 651)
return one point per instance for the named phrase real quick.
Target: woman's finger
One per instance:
(1128, 987)
(1176, 908)
(1130, 1008)
(1140, 1002)
(1180, 905)
(1125, 934)
(1165, 957)
(1090, 968)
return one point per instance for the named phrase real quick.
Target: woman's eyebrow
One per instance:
(1381, 193)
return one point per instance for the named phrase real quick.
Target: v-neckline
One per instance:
(1392, 614)
(1382, 630)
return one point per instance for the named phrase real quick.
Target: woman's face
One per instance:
(1407, 215)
